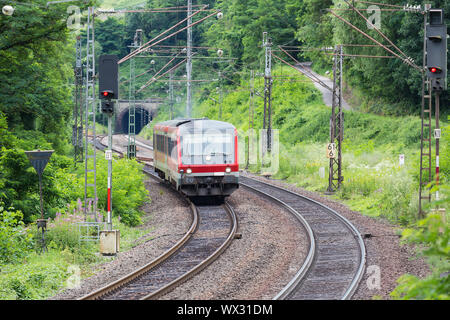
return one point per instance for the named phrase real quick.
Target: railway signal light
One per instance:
(108, 77)
(107, 106)
(436, 44)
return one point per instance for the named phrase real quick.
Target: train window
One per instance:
(165, 138)
(172, 148)
(208, 148)
(159, 143)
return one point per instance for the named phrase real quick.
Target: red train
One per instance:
(198, 156)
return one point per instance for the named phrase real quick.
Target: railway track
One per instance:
(335, 262)
(212, 230)
(336, 259)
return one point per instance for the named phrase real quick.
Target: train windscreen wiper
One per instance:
(220, 153)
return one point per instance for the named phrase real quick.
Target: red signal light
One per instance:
(435, 69)
(106, 94)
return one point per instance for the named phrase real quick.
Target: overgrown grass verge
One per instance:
(25, 273)
(38, 275)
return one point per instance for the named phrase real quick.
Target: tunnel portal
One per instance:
(142, 118)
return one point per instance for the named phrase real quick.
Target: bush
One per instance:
(433, 232)
(43, 274)
(128, 188)
(62, 232)
(15, 240)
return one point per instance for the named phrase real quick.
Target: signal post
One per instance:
(435, 79)
(109, 90)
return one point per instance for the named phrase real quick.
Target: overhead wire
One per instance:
(149, 44)
(407, 61)
(306, 72)
(154, 79)
(377, 30)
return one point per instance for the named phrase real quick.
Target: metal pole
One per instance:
(333, 123)
(341, 118)
(267, 43)
(269, 111)
(437, 142)
(425, 86)
(42, 223)
(77, 134)
(131, 148)
(250, 118)
(41, 198)
(171, 93)
(109, 209)
(90, 111)
(189, 62)
(220, 95)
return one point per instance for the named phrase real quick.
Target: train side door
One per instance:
(166, 148)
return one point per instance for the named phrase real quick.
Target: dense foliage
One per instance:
(36, 54)
(382, 86)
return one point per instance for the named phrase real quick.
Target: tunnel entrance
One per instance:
(142, 118)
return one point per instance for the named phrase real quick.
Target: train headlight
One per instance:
(189, 171)
(228, 170)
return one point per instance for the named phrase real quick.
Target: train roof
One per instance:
(186, 124)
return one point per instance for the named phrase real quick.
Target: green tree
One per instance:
(35, 69)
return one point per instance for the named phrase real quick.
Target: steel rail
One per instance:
(305, 268)
(97, 294)
(164, 256)
(135, 275)
(204, 263)
(312, 245)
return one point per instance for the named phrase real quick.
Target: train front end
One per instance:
(208, 158)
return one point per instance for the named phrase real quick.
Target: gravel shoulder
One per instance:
(257, 266)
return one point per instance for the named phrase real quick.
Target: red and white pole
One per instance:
(109, 172)
(437, 136)
(109, 203)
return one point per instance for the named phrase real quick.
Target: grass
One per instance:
(42, 275)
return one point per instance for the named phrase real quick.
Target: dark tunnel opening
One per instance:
(142, 118)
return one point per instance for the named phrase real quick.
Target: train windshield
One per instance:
(207, 148)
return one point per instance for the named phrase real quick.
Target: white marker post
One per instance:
(401, 160)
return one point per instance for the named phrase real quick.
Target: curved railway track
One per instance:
(212, 231)
(335, 262)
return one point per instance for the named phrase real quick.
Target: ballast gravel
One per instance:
(168, 217)
(386, 258)
(272, 247)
